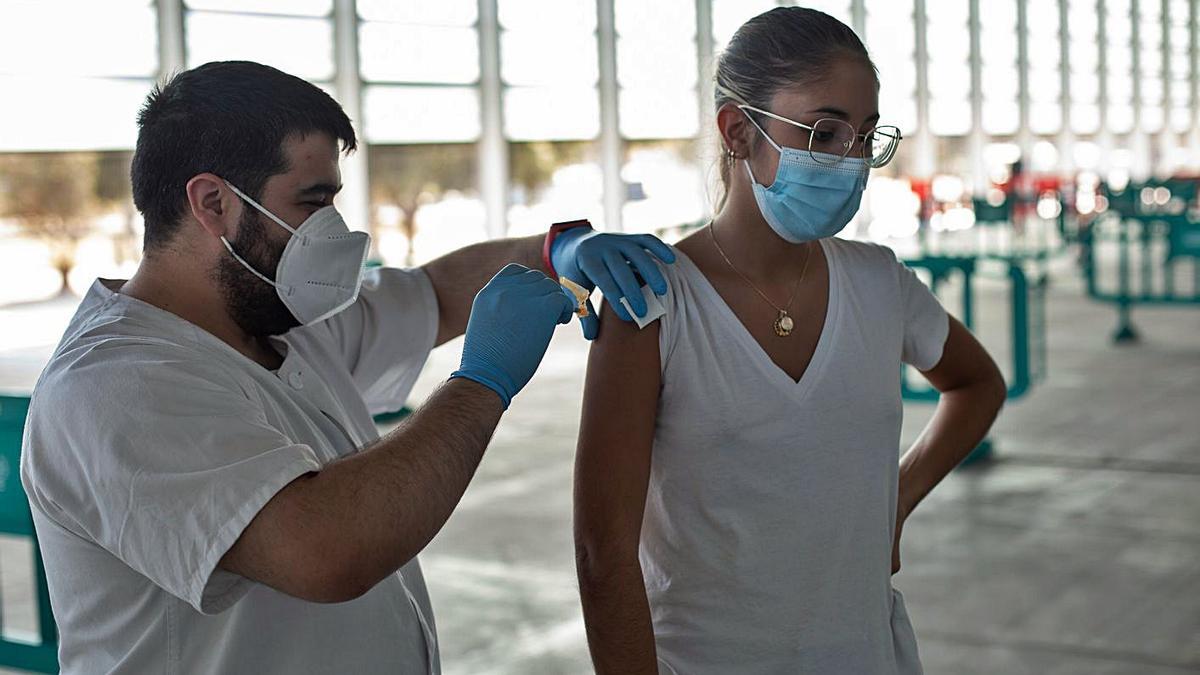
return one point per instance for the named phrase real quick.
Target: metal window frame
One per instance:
(493, 149)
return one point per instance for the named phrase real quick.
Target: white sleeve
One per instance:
(161, 459)
(385, 337)
(925, 322)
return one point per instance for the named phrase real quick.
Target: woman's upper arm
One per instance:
(964, 362)
(612, 466)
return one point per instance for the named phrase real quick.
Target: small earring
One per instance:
(730, 155)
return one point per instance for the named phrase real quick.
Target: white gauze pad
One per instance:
(654, 308)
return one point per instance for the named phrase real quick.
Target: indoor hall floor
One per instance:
(1075, 551)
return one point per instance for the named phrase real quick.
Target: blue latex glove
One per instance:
(608, 261)
(512, 320)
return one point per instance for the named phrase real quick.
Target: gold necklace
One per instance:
(783, 323)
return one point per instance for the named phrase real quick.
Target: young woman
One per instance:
(738, 497)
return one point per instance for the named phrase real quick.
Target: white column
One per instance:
(610, 131)
(1105, 137)
(354, 201)
(924, 155)
(1194, 81)
(1024, 135)
(979, 177)
(1167, 138)
(172, 48)
(1066, 137)
(706, 66)
(492, 148)
(1139, 145)
(858, 17)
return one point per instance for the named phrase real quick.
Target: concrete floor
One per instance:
(1075, 551)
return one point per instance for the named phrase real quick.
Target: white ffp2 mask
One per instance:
(321, 269)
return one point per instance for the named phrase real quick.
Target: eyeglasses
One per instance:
(830, 137)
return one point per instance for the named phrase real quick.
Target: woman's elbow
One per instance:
(996, 389)
(598, 557)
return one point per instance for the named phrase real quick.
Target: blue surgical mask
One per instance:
(809, 199)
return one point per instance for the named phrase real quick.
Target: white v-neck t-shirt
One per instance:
(767, 537)
(151, 444)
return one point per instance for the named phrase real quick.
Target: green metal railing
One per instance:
(1027, 321)
(1144, 251)
(39, 654)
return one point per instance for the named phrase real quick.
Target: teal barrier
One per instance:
(997, 232)
(1144, 251)
(40, 654)
(1027, 320)
(394, 416)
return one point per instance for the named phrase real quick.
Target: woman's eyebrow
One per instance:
(841, 114)
(836, 112)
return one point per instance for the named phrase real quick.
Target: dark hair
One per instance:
(229, 118)
(779, 48)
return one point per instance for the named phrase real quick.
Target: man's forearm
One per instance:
(330, 536)
(458, 276)
(395, 496)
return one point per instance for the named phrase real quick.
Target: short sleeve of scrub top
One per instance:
(171, 460)
(385, 337)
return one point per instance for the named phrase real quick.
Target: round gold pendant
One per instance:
(784, 325)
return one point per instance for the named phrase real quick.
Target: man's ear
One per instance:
(732, 123)
(213, 204)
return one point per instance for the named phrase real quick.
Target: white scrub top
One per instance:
(151, 444)
(767, 536)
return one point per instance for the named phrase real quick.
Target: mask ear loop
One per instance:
(760, 129)
(260, 207)
(268, 214)
(250, 267)
(746, 162)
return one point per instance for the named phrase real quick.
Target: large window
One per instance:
(998, 57)
(729, 15)
(948, 38)
(296, 37)
(1084, 58)
(1045, 67)
(838, 9)
(1118, 51)
(419, 62)
(656, 68)
(1150, 65)
(84, 97)
(549, 65)
(419, 95)
(658, 75)
(1180, 19)
(893, 51)
(71, 96)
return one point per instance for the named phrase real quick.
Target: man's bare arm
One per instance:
(458, 276)
(330, 536)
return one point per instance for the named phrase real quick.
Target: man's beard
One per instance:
(253, 303)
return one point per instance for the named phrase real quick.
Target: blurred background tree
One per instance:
(51, 197)
(532, 165)
(115, 195)
(409, 176)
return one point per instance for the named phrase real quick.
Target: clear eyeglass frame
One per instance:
(830, 136)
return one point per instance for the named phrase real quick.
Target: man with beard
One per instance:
(208, 488)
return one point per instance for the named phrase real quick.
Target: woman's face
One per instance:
(849, 93)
